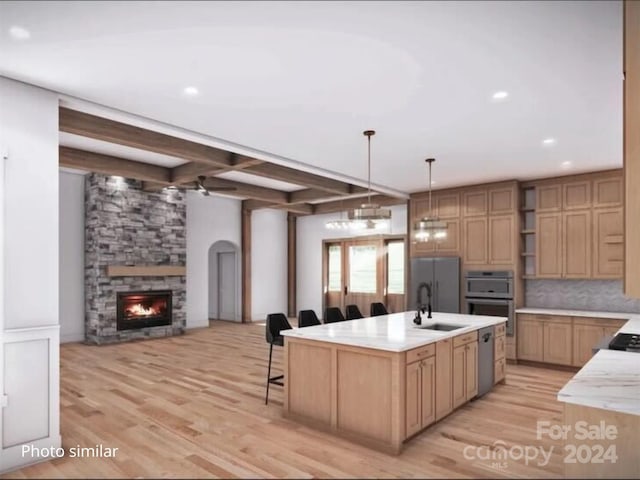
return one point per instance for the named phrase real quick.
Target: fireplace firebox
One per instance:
(151, 308)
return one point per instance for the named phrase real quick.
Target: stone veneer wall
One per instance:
(600, 295)
(128, 226)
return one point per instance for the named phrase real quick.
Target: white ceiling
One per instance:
(302, 80)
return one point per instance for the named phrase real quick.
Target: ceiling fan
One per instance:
(198, 186)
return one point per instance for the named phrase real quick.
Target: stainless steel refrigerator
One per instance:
(443, 274)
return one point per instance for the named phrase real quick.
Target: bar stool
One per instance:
(353, 312)
(276, 322)
(377, 309)
(307, 318)
(332, 315)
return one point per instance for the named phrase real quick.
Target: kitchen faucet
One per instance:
(420, 305)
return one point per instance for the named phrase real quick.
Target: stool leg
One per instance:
(266, 400)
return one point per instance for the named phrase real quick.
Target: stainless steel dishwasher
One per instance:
(485, 360)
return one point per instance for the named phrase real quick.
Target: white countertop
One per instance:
(575, 313)
(394, 332)
(611, 379)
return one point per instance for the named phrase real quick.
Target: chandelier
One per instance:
(368, 216)
(430, 227)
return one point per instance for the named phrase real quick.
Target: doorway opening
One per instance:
(224, 282)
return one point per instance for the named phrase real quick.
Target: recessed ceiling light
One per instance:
(190, 91)
(501, 95)
(19, 33)
(549, 141)
(566, 165)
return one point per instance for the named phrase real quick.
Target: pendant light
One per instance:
(430, 227)
(369, 216)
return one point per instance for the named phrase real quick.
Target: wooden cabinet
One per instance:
(549, 245)
(557, 341)
(530, 339)
(474, 203)
(465, 370)
(501, 240)
(587, 333)
(561, 340)
(420, 397)
(631, 148)
(499, 370)
(576, 248)
(607, 192)
(447, 205)
(548, 198)
(576, 195)
(585, 337)
(444, 373)
(451, 244)
(499, 347)
(608, 245)
(475, 240)
(502, 200)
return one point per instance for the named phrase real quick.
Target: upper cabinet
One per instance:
(578, 226)
(474, 203)
(632, 147)
(576, 195)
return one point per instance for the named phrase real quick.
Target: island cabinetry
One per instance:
(499, 354)
(444, 371)
(465, 368)
(421, 400)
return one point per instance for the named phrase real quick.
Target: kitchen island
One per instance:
(381, 380)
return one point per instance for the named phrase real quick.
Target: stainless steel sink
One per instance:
(445, 327)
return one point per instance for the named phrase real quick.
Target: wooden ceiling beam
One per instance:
(99, 128)
(341, 205)
(298, 177)
(300, 209)
(247, 190)
(108, 165)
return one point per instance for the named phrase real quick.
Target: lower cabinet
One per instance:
(420, 399)
(561, 340)
(557, 343)
(444, 401)
(499, 354)
(530, 339)
(465, 373)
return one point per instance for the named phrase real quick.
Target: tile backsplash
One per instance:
(601, 295)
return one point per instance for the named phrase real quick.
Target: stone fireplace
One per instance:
(135, 254)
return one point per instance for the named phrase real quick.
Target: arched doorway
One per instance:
(223, 281)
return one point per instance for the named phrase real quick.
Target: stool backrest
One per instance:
(307, 318)
(332, 315)
(276, 322)
(377, 309)
(353, 312)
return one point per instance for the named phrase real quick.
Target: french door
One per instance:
(362, 271)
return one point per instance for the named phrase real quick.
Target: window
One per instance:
(362, 268)
(335, 268)
(395, 268)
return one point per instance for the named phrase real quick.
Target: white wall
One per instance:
(29, 338)
(209, 219)
(72, 306)
(268, 263)
(311, 231)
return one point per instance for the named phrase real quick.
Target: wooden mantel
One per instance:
(146, 271)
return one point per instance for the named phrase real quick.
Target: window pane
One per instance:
(362, 269)
(395, 267)
(335, 268)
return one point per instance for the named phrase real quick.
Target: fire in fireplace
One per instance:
(143, 309)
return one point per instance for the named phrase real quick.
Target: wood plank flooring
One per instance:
(193, 407)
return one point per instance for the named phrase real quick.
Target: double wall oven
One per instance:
(490, 293)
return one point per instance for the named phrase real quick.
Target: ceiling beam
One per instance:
(108, 165)
(342, 205)
(246, 190)
(309, 195)
(298, 177)
(99, 128)
(301, 209)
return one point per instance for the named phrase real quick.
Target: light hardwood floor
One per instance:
(193, 406)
